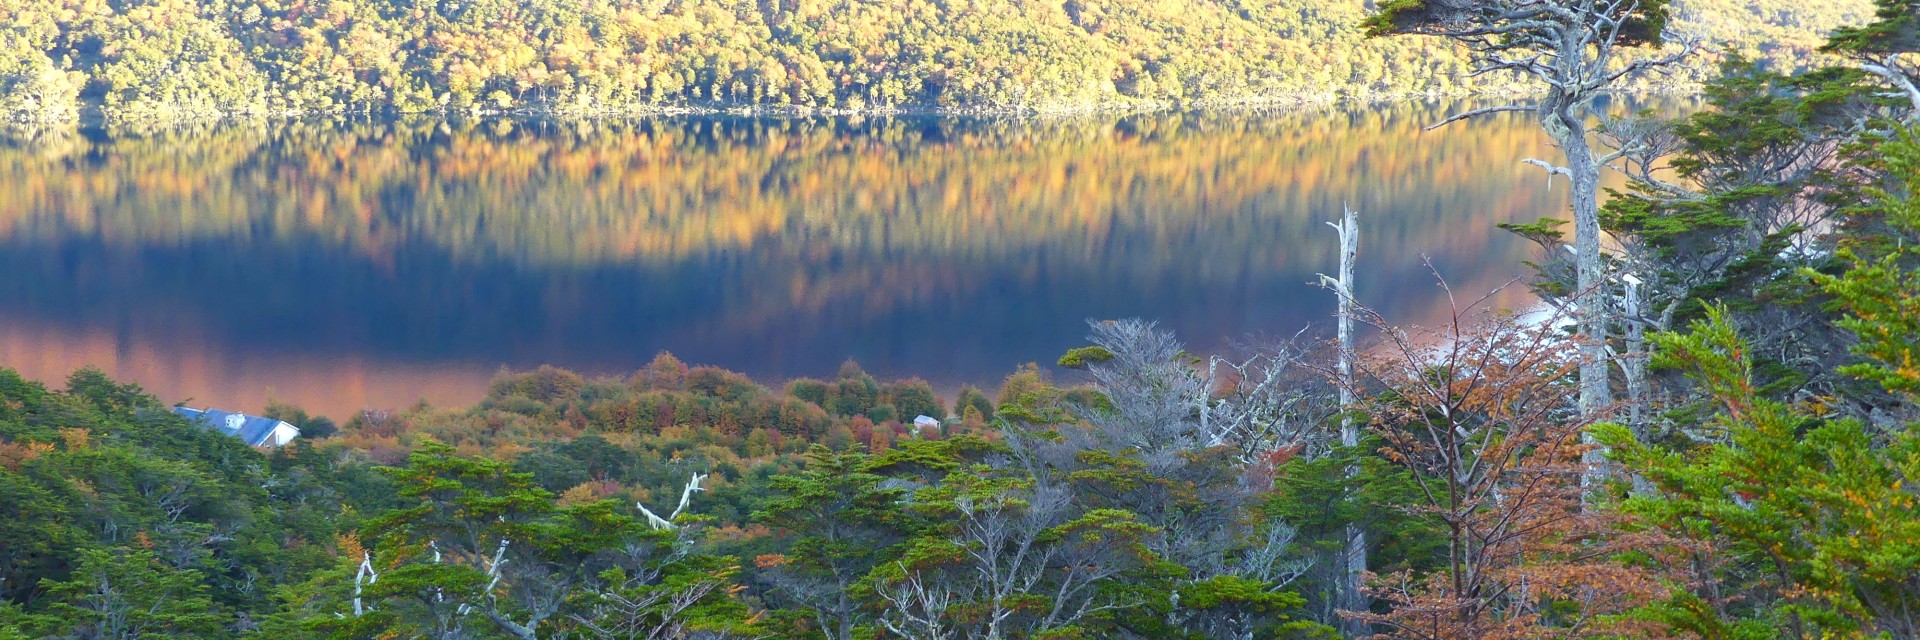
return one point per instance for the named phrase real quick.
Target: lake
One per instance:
(347, 264)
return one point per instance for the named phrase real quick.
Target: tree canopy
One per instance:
(165, 60)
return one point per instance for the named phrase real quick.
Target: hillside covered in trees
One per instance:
(168, 60)
(1757, 478)
(1758, 482)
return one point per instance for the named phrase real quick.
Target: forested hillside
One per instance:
(1763, 488)
(176, 59)
(1758, 477)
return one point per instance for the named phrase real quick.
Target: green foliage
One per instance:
(1757, 158)
(1317, 495)
(1811, 520)
(970, 397)
(101, 468)
(1079, 357)
(855, 393)
(476, 544)
(129, 593)
(1895, 29)
(547, 384)
(843, 523)
(14, 623)
(913, 398)
(33, 90)
(1545, 231)
(521, 520)
(1880, 290)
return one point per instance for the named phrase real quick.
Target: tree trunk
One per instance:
(845, 612)
(1353, 561)
(1633, 364)
(1567, 129)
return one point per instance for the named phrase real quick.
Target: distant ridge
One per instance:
(163, 60)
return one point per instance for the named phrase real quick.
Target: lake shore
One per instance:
(94, 118)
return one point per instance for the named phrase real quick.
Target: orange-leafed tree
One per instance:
(1483, 412)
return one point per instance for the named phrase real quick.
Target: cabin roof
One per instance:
(253, 430)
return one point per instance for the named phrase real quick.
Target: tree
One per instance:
(35, 91)
(1144, 444)
(1886, 48)
(15, 623)
(1324, 495)
(664, 373)
(673, 594)
(445, 555)
(841, 524)
(1353, 558)
(1880, 290)
(1150, 391)
(480, 545)
(971, 397)
(1021, 392)
(38, 524)
(1803, 525)
(1719, 204)
(128, 594)
(310, 426)
(1481, 414)
(1574, 51)
(911, 398)
(1005, 559)
(759, 444)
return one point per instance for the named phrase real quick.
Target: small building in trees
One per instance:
(923, 423)
(256, 431)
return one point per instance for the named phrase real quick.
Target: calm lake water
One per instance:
(341, 265)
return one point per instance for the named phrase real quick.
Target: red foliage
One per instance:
(1483, 415)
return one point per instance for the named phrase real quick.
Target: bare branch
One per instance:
(1890, 70)
(1478, 112)
(1552, 169)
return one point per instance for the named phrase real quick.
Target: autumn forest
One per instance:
(170, 60)
(1693, 412)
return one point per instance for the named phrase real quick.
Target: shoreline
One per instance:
(92, 117)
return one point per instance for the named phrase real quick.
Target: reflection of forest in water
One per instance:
(414, 257)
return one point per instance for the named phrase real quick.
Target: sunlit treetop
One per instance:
(1524, 24)
(1895, 29)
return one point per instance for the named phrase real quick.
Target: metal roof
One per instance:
(253, 430)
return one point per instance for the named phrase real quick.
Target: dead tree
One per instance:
(1354, 558)
(1262, 400)
(686, 496)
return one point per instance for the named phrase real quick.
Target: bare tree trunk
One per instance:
(1353, 564)
(1568, 130)
(1633, 364)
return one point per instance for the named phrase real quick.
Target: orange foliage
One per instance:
(349, 545)
(76, 439)
(15, 455)
(1483, 414)
(584, 493)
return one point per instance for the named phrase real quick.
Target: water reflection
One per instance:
(341, 265)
